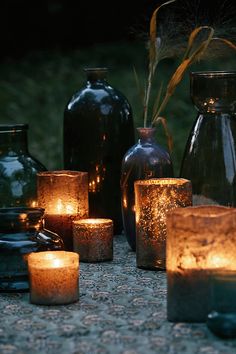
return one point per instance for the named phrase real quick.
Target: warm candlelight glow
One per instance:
(125, 204)
(54, 277)
(93, 239)
(63, 192)
(96, 177)
(211, 262)
(96, 221)
(63, 208)
(64, 196)
(153, 199)
(201, 241)
(216, 261)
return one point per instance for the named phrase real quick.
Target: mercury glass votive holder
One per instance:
(201, 242)
(54, 277)
(153, 199)
(64, 196)
(93, 239)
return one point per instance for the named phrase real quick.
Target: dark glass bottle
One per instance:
(18, 168)
(98, 130)
(144, 160)
(21, 233)
(209, 160)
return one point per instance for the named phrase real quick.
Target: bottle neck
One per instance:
(96, 76)
(146, 135)
(21, 219)
(13, 142)
(96, 82)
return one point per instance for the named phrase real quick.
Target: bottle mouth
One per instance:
(213, 74)
(13, 127)
(94, 74)
(96, 70)
(146, 133)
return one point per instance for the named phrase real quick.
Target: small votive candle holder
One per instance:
(201, 242)
(93, 239)
(64, 196)
(153, 199)
(54, 277)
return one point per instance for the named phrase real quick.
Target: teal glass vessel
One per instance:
(98, 130)
(209, 160)
(145, 160)
(222, 318)
(21, 233)
(18, 168)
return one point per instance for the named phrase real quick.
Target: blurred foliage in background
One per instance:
(36, 88)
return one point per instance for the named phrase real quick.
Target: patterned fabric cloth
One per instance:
(122, 310)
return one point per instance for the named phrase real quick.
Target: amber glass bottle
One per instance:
(145, 160)
(98, 130)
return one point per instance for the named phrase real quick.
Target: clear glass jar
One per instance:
(18, 168)
(209, 160)
(21, 233)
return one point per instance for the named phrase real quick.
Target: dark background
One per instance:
(45, 45)
(27, 25)
(31, 24)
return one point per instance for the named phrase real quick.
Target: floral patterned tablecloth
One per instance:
(122, 309)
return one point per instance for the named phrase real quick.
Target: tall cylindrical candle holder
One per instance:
(93, 239)
(201, 241)
(153, 199)
(54, 277)
(64, 196)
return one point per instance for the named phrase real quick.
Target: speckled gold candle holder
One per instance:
(54, 277)
(93, 239)
(153, 199)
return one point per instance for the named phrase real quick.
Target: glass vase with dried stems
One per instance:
(147, 159)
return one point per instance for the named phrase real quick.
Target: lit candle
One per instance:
(201, 241)
(54, 277)
(153, 199)
(93, 239)
(64, 196)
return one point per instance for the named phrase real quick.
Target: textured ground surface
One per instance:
(122, 310)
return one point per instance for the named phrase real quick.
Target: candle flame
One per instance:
(69, 209)
(93, 221)
(217, 261)
(59, 206)
(57, 263)
(64, 208)
(211, 262)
